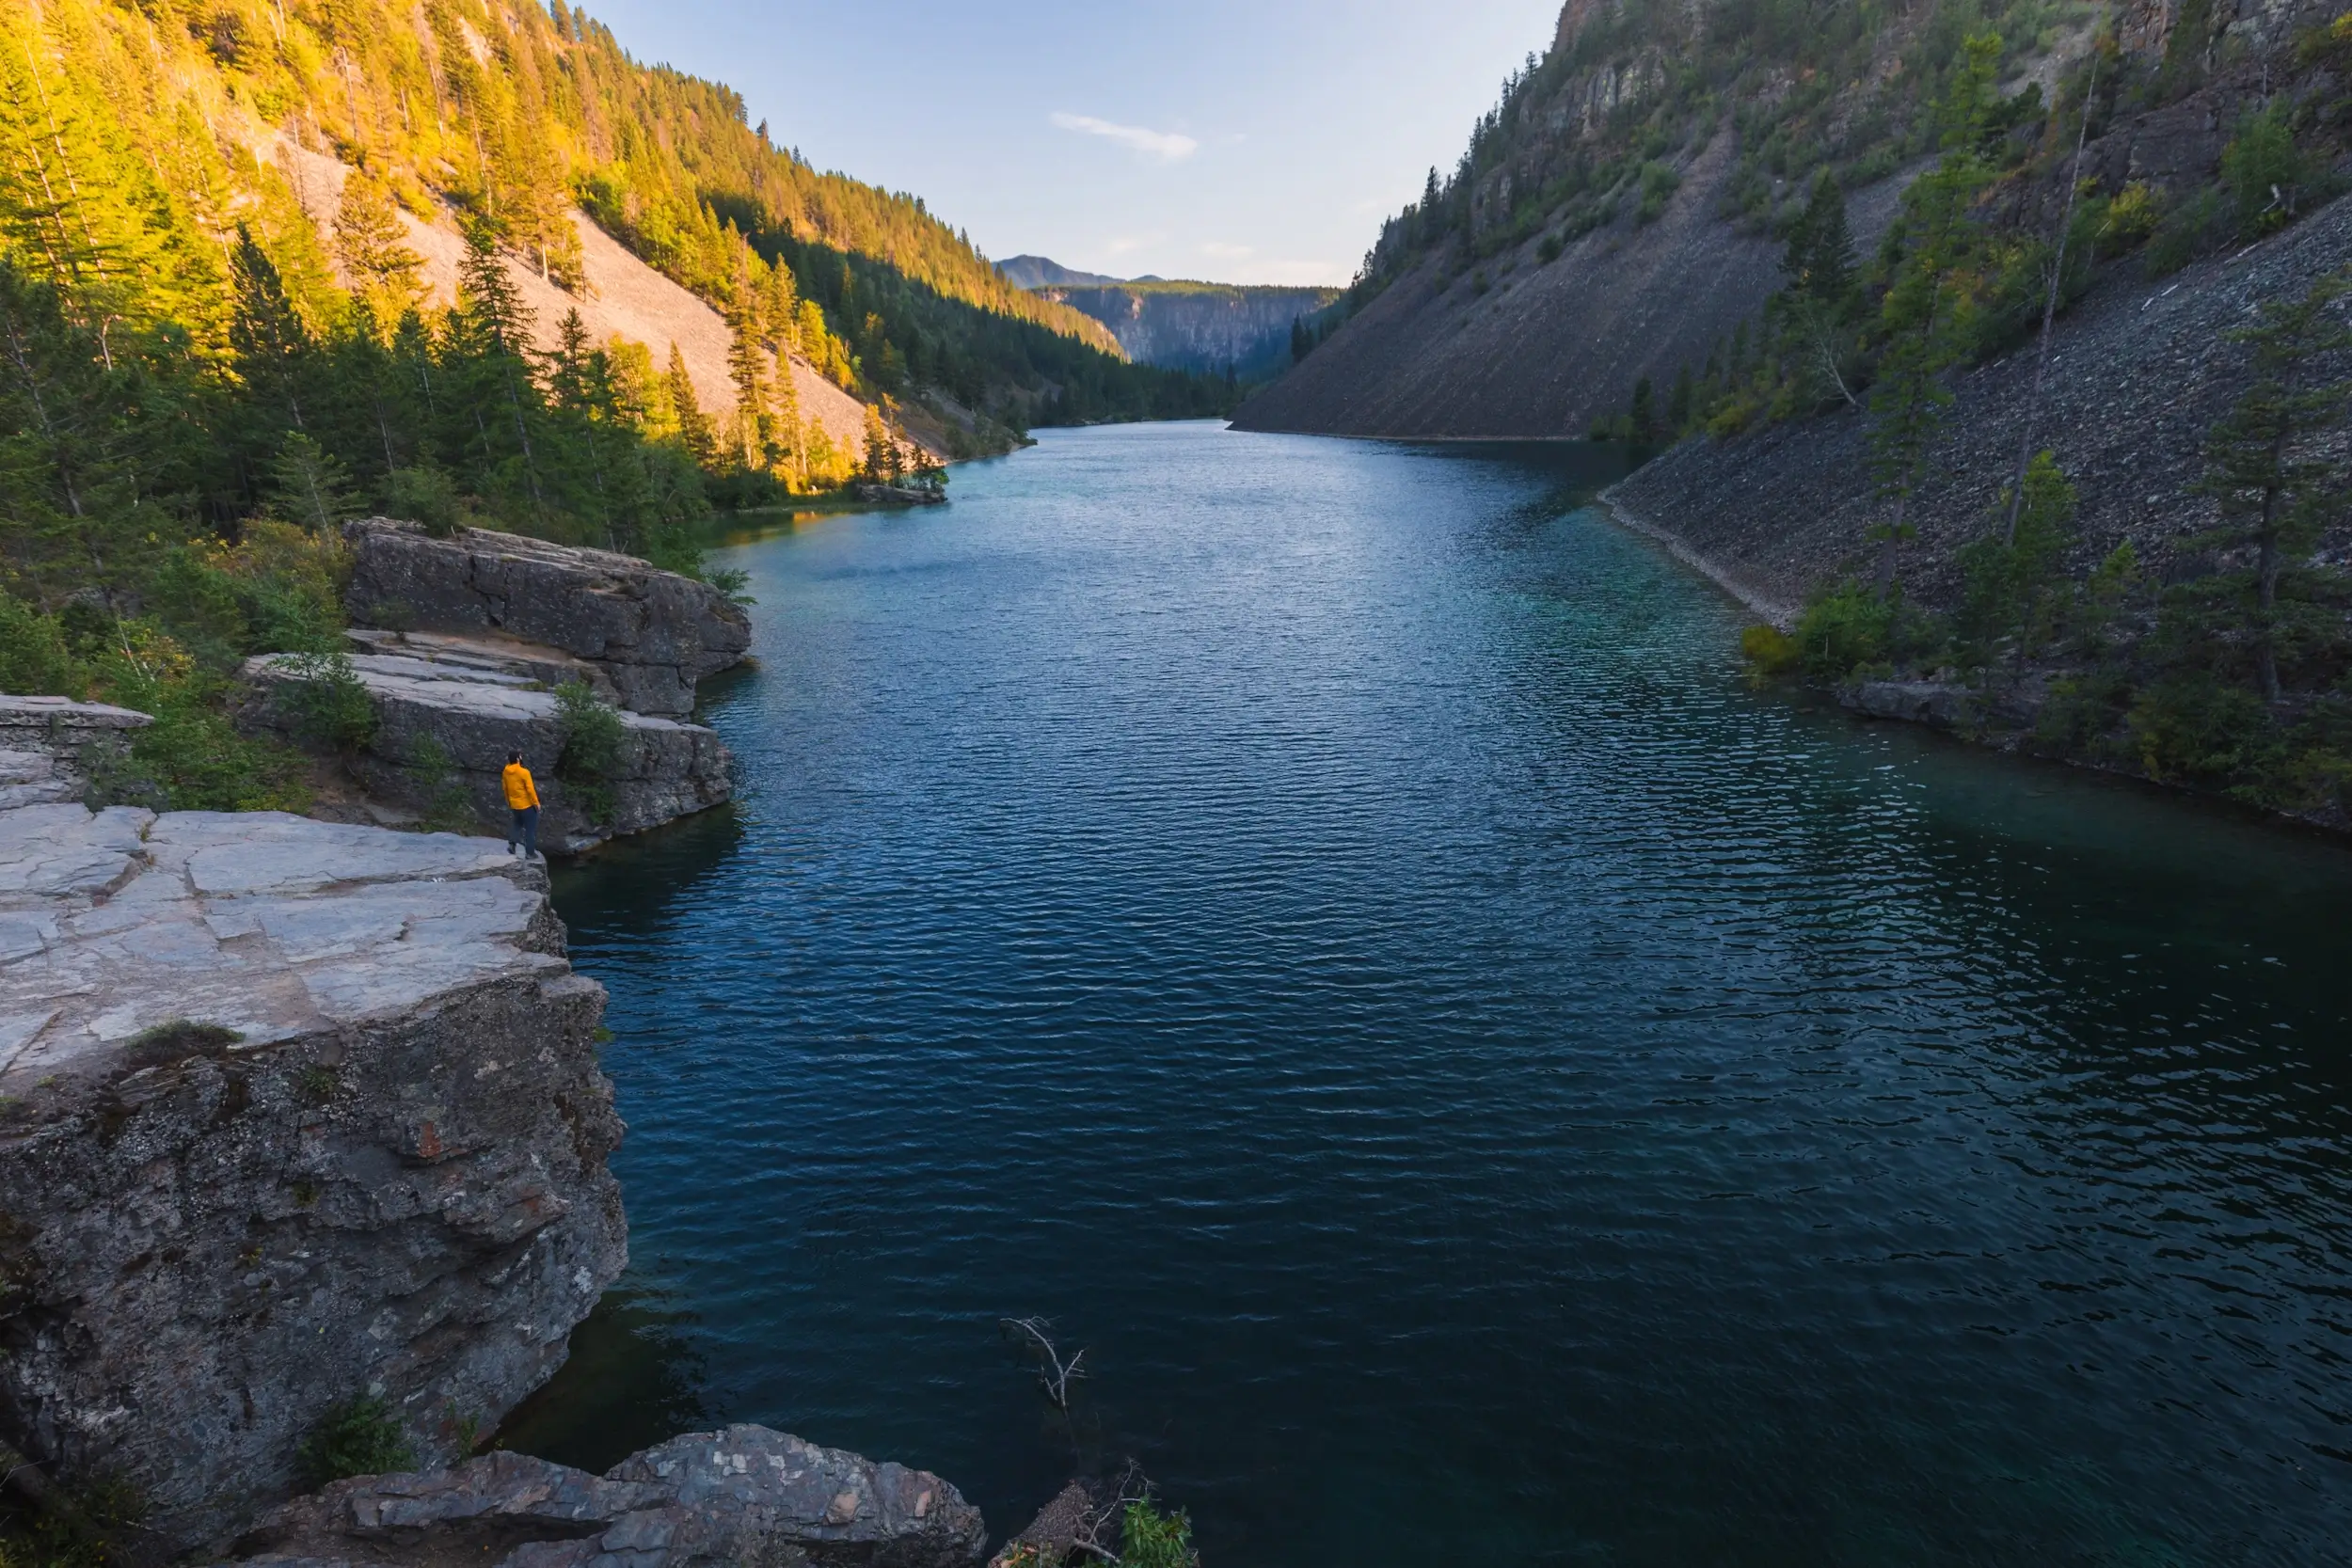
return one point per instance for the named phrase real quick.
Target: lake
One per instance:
(1328, 925)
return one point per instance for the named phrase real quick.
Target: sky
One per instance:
(1240, 141)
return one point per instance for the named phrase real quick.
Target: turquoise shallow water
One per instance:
(1327, 924)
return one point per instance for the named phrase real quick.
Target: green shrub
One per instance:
(1843, 630)
(2191, 726)
(2265, 173)
(1658, 184)
(326, 702)
(1769, 651)
(592, 737)
(191, 758)
(34, 658)
(2187, 234)
(432, 774)
(357, 1437)
(1549, 251)
(1150, 1539)
(425, 495)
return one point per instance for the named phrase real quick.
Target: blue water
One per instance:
(1327, 925)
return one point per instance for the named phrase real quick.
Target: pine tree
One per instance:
(694, 425)
(2268, 462)
(1925, 311)
(372, 248)
(487, 346)
(272, 344)
(748, 369)
(310, 487)
(881, 453)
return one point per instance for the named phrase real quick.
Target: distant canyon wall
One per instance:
(1197, 326)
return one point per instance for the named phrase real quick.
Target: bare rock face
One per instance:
(447, 716)
(49, 744)
(742, 1495)
(290, 1112)
(654, 633)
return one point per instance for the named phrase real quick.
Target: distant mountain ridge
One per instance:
(1209, 329)
(1039, 272)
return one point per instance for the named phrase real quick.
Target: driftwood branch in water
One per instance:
(1052, 1373)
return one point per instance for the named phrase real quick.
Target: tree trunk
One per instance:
(2266, 599)
(1893, 543)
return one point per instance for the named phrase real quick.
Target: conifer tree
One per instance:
(487, 346)
(2268, 462)
(694, 425)
(270, 340)
(748, 369)
(1924, 310)
(310, 487)
(372, 248)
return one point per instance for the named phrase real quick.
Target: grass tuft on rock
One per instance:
(358, 1437)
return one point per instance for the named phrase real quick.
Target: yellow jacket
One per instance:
(520, 791)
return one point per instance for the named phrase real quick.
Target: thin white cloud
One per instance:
(1167, 146)
(1224, 252)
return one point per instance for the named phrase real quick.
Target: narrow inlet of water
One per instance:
(1327, 924)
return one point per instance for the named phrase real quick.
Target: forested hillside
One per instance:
(268, 264)
(2004, 345)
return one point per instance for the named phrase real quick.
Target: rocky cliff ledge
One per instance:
(48, 746)
(462, 644)
(654, 633)
(447, 711)
(290, 1112)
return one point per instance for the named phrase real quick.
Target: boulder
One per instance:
(291, 1112)
(654, 633)
(742, 1495)
(48, 746)
(445, 725)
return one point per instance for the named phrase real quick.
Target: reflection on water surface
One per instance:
(1327, 924)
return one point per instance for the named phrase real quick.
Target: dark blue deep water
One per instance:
(1327, 924)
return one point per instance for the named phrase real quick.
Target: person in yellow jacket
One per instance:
(522, 799)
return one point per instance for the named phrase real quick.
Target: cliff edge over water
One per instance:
(292, 1112)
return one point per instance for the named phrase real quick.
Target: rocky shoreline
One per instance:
(302, 1123)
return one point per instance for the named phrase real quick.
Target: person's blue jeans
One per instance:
(525, 826)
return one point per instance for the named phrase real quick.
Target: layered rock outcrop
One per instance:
(291, 1112)
(49, 745)
(654, 633)
(742, 1495)
(448, 713)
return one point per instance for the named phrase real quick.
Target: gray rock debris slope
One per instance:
(448, 713)
(49, 744)
(290, 1111)
(744, 1495)
(654, 633)
(2138, 374)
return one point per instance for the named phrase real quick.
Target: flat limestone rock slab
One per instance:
(115, 921)
(291, 1112)
(453, 656)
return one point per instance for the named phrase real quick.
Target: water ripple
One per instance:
(1327, 922)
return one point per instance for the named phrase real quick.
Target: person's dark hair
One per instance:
(513, 756)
